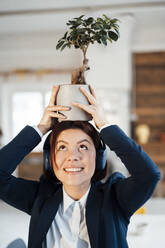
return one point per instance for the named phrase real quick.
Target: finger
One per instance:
(57, 115)
(58, 108)
(92, 91)
(53, 95)
(90, 97)
(86, 108)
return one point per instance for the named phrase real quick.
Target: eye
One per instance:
(61, 148)
(83, 147)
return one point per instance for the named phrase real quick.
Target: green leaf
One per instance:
(60, 40)
(62, 48)
(114, 20)
(117, 31)
(83, 37)
(89, 20)
(74, 34)
(76, 25)
(103, 32)
(104, 40)
(68, 38)
(113, 35)
(81, 30)
(106, 18)
(115, 26)
(59, 44)
(99, 41)
(100, 20)
(90, 31)
(96, 26)
(80, 17)
(65, 35)
(109, 39)
(72, 22)
(106, 26)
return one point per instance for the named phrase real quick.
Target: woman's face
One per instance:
(75, 156)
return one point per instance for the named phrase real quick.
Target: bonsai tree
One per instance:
(83, 32)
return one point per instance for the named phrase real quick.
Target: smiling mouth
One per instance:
(73, 169)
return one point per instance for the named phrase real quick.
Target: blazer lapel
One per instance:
(93, 213)
(48, 213)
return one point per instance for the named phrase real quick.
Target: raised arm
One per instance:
(134, 191)
(16, 191)
(13, 153)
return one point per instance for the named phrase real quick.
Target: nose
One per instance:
(73, 156)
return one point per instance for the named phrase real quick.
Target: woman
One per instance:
(70, 206)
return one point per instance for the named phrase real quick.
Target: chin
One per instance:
(76, 182)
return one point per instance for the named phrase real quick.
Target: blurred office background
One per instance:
(128, 76)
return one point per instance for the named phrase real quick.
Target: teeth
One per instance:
(73, 169)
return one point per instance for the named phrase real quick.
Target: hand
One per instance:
(51, 111)
(94, 109)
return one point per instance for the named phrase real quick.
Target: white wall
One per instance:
(148, 34)
(35, 51)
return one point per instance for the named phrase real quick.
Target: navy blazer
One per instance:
(109, 205)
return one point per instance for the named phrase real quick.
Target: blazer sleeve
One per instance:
(134, 191)
(18, 192)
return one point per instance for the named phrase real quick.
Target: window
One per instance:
(27, 108)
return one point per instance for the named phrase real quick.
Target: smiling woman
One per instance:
(73, 148)
(70, 204)
(74, 163)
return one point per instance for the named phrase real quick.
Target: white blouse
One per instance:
(68, 229)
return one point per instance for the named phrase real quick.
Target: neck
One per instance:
(76, 193)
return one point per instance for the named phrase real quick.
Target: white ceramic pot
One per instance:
(69, 93)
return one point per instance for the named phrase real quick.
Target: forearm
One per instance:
(13, 153)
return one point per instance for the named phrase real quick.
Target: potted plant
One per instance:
(83, 32)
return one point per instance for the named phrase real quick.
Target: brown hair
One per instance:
(85, 127)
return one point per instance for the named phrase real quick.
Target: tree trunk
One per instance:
(78, 75)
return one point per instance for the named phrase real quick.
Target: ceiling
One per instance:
(17, 16)
(18, 5)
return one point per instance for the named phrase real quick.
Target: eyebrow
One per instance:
(63, 141)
